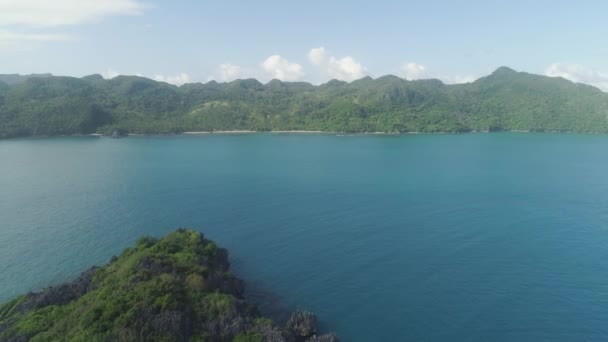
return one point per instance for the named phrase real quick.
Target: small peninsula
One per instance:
(178, 288)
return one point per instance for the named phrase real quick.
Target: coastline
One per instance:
(286, 132)
(217, 132)
(250, 131)
(356, 133)
(335, 132)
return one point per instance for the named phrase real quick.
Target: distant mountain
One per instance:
(504, 100)
(11, 79)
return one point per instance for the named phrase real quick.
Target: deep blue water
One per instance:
(474, 237)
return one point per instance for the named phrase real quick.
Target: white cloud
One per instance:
(229, 72)
(346, 68)
(317, 56)
(579, 73)
(29, 20)
(179, 79)
(458, 79)
(109, 73)
(6, 35)
(413, 71)
(10, 37)
(278, 67)
(45, 13)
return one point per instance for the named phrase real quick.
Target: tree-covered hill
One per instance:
(178, 288)
(505, 100)
(17, 79)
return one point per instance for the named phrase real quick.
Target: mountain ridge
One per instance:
(503, 100)
(20, 78)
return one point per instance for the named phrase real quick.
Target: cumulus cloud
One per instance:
(317, 56)
(109, 73)
(458, 79)
(413, 71)
(229, 72)
(178, 79)
(278, 67)
(346, 68)
(578, 73)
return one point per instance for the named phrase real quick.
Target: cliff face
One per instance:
(178, 288)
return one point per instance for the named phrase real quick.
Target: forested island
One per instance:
(178, 288)
(506, 100)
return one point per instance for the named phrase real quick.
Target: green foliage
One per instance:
(6, 308)
(216, 304)
(249, 337)
(150, 292)
(504, 100)
(263, 321)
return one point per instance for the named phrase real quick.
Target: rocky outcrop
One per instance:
(331, 337)
(178, 288)
(61, 294)
(302, 326)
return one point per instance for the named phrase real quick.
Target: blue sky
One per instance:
(192, 41)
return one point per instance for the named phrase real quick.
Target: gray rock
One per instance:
(61, 294)
(302, 324)
(331, 337)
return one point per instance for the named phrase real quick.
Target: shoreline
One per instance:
(238, 131)
(342, 133)
(304, 132)
(250, 131)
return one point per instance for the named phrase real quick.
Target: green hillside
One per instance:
(178, 288)
(505, 100)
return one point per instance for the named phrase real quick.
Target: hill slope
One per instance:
(505, 100)
(178, 288)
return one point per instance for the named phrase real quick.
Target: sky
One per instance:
(315, 41)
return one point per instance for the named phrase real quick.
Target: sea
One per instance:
(449, 237)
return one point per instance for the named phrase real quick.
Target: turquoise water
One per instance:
(472, 237)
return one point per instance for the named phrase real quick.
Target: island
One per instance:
(177, 288)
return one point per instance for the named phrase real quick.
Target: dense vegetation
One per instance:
(505, 100)
(178, 288)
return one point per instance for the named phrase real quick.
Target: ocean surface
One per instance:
(473, 237)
